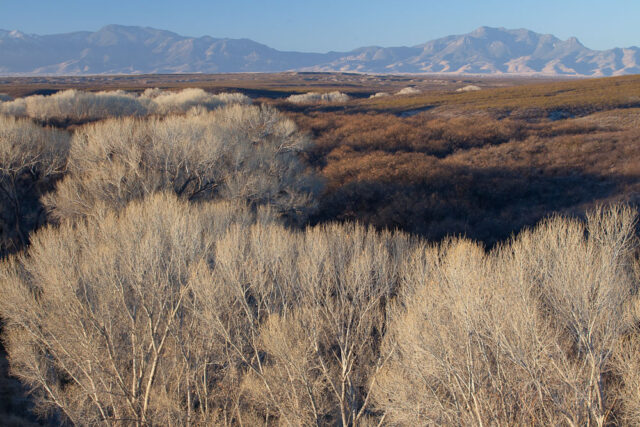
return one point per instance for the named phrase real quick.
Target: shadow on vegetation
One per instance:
(461, 170)
(15, 405)
(483, 204)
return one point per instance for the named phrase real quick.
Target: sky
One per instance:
(325, 25)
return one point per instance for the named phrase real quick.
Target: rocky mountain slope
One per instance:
(118, 49)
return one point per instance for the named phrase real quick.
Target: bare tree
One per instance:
(314, 98)
(524, 335)
(239, 153)
(309, 312)
(586, 284)
(168, 312)
(100, 315)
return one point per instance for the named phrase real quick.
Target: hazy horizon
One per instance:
(334, 26)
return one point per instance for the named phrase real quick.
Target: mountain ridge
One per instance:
(118, 49)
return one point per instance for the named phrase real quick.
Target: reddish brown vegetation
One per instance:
(148, 309)
(472, 173)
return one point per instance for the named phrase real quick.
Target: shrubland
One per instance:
(187, 268)
(444, 172)
(77, 106)
(244, 153)
(167, 312)
(315, 97)
(534, 100)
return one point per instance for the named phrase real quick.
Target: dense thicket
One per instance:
(448, 172)
(170, 289)
(77, 106)
(174, 313)
(247, 154)
(237, 152)
(533, 333)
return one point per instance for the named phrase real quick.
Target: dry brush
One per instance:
(167, 312)
(78, 106)
(245, 153)
(171, 292)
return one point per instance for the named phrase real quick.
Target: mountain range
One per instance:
(117, 49)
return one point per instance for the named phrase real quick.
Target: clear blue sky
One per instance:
(323, 25)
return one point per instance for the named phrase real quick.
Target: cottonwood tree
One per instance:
(444, 369)
(524, 335)
(253, 279)
(167, 312)
(309, 313)
(586, 285)
(32, 158)
(101, 320)
(348, 277)
(164, 313)
(244, 153)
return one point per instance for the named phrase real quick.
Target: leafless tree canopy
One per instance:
(170, 290)
(78, 106)
(314, 98)
(172, 313)
(238, 152)
(528, 334)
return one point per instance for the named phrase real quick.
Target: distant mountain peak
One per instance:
(118, 49)
(485, 31)
(574, 41)
(17, 34)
